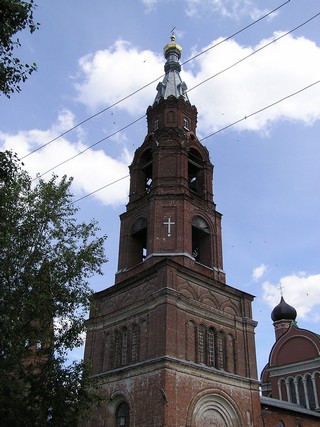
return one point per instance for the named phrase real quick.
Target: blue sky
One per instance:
(92, 54)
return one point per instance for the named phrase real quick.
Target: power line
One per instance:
(261, 109)
(236, 33)
(218, 131)
(194, 87)
(90, 146)
(150, 83)
(99, 189)
(255, 51)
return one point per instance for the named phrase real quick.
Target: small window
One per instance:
(156, 124)
(280, 424)
(186, 125)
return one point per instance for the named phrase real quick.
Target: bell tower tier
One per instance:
(171, 210)
(171, 343)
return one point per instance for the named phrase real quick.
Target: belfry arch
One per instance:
(212, 408)
(201, 240)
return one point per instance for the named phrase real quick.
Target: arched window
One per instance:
(292, 391)
(230, 353)
(201, 242)
(122, 415)
(195, 171)
(211, 347)
(280, 424)
(116, 349)
(139, 240)
(134, 343)
(221, 350)
(282, 389)
(302, 397)
(191, 341)
(201, 344)
(124, 347)
(310, 391)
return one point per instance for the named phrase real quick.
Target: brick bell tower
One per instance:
(171, 342)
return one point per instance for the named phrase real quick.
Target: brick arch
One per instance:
(209, 298)
(201, 239)
(282, 389)
(149, 289)
(284, 352)
(115, 399)
(191, 143)
(188, 291)
(213, 407)
(230, 307)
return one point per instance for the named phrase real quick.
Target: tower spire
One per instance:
(172, 85)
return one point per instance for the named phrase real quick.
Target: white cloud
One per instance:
(273, 73)
(284, 67)
(150, 5)
(106, 79)
(259, 272)
(299, 290)
(232, 9)
(104, 169)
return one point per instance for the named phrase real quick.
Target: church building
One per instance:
(171, 343)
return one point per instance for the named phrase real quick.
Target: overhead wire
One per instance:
(153, 81)
(256, 51)
(89, 147)
(194, 87)
(216, 132)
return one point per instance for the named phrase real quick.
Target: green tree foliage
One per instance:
(15, 16)
(47, 257)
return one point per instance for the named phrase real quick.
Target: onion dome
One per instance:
(172, 85)
(283, 311)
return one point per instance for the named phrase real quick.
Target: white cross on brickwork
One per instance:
(169, 223)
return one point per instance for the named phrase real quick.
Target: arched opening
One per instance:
(201, 242)
(292, 391)
(123, 415)
(310, 392)
(302, 397)
(139, 240)
(146, 170)
(282, 389)
(195, 171)
(213, 409)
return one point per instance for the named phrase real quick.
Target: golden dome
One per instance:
(172, 45)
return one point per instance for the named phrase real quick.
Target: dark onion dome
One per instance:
(283, 311)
